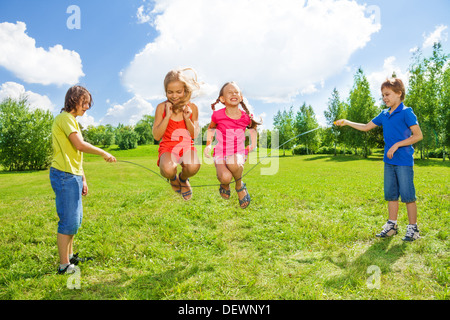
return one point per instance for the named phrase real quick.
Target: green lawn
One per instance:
(308, 234)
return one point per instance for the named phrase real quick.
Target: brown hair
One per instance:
(74, 96)
(254, 124)
(190, 83)
(395, 85)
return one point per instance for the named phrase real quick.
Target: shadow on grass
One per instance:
(379, 158)
(7, 172)
(379, 254)
(158, 286)
(341, 158)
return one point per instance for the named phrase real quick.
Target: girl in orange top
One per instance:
(176, 125)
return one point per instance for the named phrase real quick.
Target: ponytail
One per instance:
(213, 106)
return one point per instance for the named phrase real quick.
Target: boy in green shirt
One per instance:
(66, 172)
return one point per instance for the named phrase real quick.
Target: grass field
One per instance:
(307, 234)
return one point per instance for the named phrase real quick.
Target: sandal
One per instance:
(188, 194)
(246, 198)
(174, 186)
(224, 192)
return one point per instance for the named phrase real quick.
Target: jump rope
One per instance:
(216, 185)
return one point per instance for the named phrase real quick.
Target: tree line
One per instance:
(26, 144)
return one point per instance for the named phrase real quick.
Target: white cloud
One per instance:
(438, 35)
(376, 79)
(274, 50)
(87, 120)
(142, 16)
(17, 91)
(19, 54)
(128, 113)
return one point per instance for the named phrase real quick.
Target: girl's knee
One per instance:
(191, 169)
(167, 170)
(224, 177)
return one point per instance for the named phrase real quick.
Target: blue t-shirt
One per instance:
(396, 127)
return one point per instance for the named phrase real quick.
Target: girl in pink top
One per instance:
(228, 125)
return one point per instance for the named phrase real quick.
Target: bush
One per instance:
(126, 138)
(299, 150)
(438, 153)
(326, 150)
(25, 136)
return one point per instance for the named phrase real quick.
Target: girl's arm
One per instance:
(416, 137)
(209, 138)
(160, 124)
(77, 140)
(192, 125)
(358, 126)
(253, 139)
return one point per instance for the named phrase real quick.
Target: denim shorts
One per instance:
(399, 182)
(68, 188)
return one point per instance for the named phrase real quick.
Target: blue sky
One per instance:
(282, 53)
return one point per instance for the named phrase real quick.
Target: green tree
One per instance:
(283, 123)
(25, 136)
(305, 120)
(335, 111)
(361, 109)
(428, 98)
(126, 137)
(144, 129)
(445, 107)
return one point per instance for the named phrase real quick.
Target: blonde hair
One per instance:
(190, 83)
(254, 124)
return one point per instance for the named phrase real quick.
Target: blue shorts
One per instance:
(399, 182)
(68, 188)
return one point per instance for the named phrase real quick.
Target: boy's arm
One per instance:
(85, 147)
(85, 186)
(358, 126)
(416, 137)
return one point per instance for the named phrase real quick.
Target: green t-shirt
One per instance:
(65, 156)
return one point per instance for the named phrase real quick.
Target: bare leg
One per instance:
(236, 167)
(411, 208)
(168, 169)
(393, 210)
(65, 244)
(224, 176)
(190, 166)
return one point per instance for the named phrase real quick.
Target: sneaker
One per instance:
(412, 233)
(75, 260)
(389, 230)
(69, 269)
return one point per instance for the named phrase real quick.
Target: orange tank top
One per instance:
(176, 135)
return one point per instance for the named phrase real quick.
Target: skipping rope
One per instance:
(216, 185)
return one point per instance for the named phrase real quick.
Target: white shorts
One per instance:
(240, 158)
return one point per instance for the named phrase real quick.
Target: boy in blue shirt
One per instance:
(400, 131)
